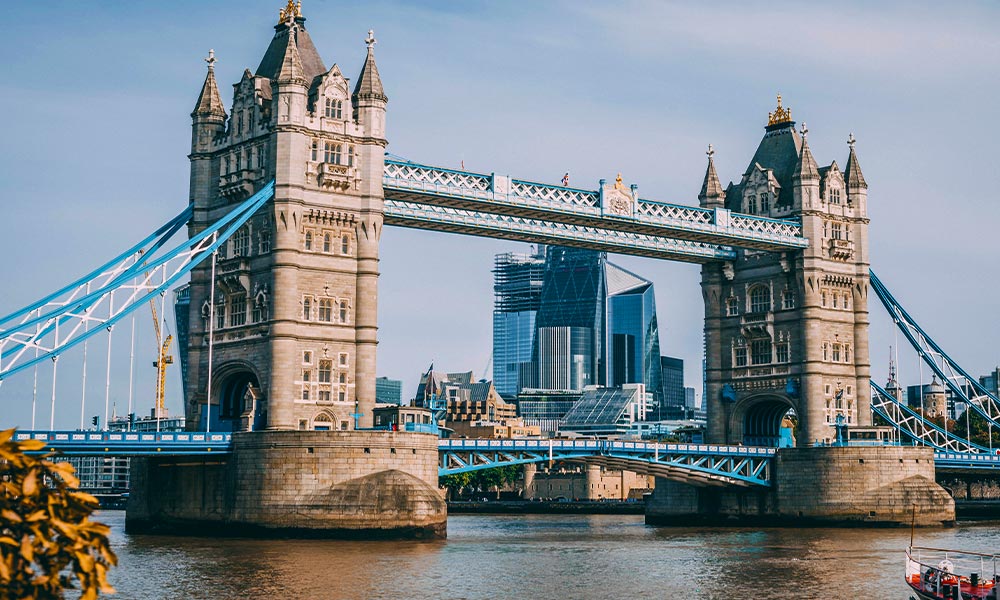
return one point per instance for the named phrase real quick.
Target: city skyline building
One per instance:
(517, 286)
(388, 391)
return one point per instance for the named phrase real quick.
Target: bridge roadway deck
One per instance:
(699, 464)
(430, 197)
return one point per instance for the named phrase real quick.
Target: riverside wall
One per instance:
(848, 486)
(340, 484)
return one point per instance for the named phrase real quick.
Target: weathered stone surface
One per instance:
(308, 484)
(884, 486)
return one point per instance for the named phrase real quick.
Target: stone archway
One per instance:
(758, 421)
(232, 402)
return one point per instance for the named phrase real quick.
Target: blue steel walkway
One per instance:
(697, 464)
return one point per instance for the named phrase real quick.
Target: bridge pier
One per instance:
(848, 486)
(336, 484)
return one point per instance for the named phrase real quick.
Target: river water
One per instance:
(540, 557)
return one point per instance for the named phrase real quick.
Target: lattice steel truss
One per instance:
(965, 387)
(481, 194)
(469, 222)
(915, 427)
(95, 302)
(702, 465)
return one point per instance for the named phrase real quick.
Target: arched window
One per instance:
(760, 352)
(345, 244)
(760, 299)
(334, 108)
(343, 311)
(326, 242)
(333, 153)
(788, 299)
(309, 240)
(322, 422)
(732, 306)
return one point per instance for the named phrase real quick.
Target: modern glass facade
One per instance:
(673, 388)
(517, 285)
(634, 332)
(388, 391)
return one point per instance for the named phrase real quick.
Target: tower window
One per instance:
(788, 299)
(752, 204)
(326, 242)
(342, 395)
(264, 240)
(760, 352)
(834, 195)
(326, 309)
(781, 349)
(760, 299)
(241, 242)
(305, 393)
(345, 244)
(740, 356)
(307, 357)
(835, 231)
(314, 154)
(220, 314)
(333, 152)
(238, 310)
(836, 353)
(765, 202)
(343, 359)
(343, 311)
(350, 156)
(307, 308)
(826, 354)
(309, 240)
(334, 108)
(732, 306)
(325, 371)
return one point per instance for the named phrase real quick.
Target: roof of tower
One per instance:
(778, 151)
(274, 56)
(209, 100)
(853, 176)
(711, 187)
(369, 84)
(806, 168)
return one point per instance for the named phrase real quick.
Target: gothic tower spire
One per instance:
(369, 86)
(711, 195)
(209, 101)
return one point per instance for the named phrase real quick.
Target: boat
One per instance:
(940, 574)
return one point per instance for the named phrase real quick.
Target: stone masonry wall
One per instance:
(322, 483)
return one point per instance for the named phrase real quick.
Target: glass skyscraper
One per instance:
(566, 318)
(517, 285)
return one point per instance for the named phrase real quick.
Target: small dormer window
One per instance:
(834, 195)
(752, 204)
(334, 108)
(765, 202)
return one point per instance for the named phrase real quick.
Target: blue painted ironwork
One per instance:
(951, 373)
(528, 204)
(129, 443)
(916, 428)
(697, 464)
(86, 307)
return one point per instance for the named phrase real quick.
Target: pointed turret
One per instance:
(291, 63)
(209, 101)
(369, 86)
(711, 195)
(857, 188)
(806, 168)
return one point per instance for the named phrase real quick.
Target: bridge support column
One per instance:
(336, 484)
(853, 486)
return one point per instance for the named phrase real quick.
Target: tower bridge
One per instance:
(290, 191)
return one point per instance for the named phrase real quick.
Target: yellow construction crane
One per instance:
(162, 360)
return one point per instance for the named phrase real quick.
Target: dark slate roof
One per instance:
(478, 391)
(779, 151)
(312, 64)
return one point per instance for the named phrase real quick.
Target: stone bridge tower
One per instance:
(294, 315)
(789, 331)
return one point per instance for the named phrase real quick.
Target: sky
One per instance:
(97, 98)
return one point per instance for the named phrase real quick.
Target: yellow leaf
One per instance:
(30, 484)
(27, 551)
(6, 435)
(10, 515)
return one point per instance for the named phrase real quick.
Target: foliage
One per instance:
(483, 479)
(975, 428)
(46, 536)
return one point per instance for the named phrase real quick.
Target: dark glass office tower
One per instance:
(634, 332)
(572, 313)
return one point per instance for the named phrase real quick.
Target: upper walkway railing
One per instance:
(477, 193)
